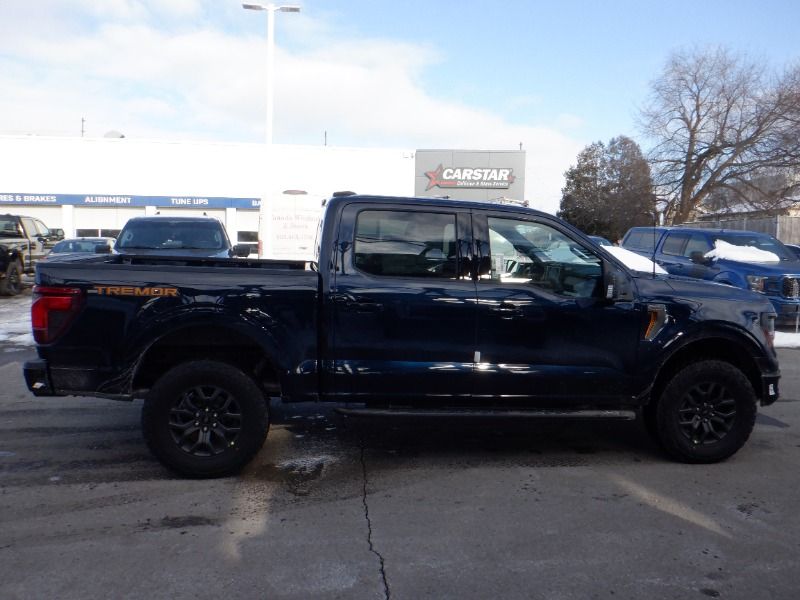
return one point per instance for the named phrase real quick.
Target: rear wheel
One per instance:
(11, 284)
(706, 413)
(205, 419)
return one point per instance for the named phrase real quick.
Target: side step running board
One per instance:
(624, 415)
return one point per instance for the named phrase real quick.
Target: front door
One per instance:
(403, 304)
(545, 331)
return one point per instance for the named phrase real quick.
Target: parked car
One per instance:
(405, 311)
(744, 259)
(177, 236)
(600, 240)
(23, 242)
(79, 246)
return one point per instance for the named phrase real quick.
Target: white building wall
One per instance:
(91, 166)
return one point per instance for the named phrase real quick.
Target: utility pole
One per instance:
(83, 122)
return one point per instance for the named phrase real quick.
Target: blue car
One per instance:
(744, 259)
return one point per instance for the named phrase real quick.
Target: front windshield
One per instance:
(760, 241)
(167, 234)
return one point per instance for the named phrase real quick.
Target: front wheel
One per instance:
(11, 284)
(205, 419)
(706, 413)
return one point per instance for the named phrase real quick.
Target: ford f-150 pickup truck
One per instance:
(690, 252)
(406, 310)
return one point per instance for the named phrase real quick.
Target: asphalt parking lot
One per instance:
(373, 508)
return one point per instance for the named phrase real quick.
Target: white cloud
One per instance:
(208, 83)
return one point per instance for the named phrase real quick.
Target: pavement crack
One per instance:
(386, 592)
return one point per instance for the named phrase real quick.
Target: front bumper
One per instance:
(769, 387)
(788, 313)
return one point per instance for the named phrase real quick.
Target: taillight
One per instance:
(52, 311)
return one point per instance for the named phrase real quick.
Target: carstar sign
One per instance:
(467, 177)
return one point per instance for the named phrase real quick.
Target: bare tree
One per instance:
(722, 123)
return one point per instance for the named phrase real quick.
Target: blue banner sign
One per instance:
(121, 201)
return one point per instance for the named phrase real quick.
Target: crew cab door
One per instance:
(403, 304)
(545, 330)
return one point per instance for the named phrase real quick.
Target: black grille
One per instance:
(791, 287)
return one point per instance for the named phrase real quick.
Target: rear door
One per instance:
(404, 304)
(545, 333)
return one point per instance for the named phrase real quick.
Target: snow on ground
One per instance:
(633, 261)
(787, 340)
(745, 254)
(15, 320)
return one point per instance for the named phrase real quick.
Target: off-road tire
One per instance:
(205, 419)
(11, 284)
(706, 412)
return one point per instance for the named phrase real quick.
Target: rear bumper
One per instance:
(37, 378)
(44, 380)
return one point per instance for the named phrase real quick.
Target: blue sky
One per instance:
(552, 75)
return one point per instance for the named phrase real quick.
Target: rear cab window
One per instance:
(396, 243)
(643, 240)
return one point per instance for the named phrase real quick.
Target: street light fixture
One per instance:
(271, 10)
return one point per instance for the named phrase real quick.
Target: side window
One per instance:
(640, 240)
(674, 244)
(543, 257)
(41, 228)
(697, 243)
(406, 244)
(30, 228)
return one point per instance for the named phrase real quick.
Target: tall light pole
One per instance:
(271, 10)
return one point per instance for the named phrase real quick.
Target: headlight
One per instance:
(757, 283)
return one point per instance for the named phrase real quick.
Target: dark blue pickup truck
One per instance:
(412, 306)
(684, 250)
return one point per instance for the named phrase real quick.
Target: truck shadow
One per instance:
(557, 442)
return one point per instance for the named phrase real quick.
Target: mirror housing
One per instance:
(617, 285)
(241, 250)
(699, 258)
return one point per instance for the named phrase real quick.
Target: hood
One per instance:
(705, 299)
(784, 267)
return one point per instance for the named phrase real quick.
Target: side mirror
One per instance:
(699, 258)
(241, 250)
(617, 286)
(102, 249)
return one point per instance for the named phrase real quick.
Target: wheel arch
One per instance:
(208, 341)
(722, 345)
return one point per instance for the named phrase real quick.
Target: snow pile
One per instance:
(635, 262)
(787, 340)
(15, 320)
(745, 254)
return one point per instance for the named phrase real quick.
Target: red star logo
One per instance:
(434, 177)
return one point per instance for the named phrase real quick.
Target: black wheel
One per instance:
(205, 419)
(11, 284)
(706, 413)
